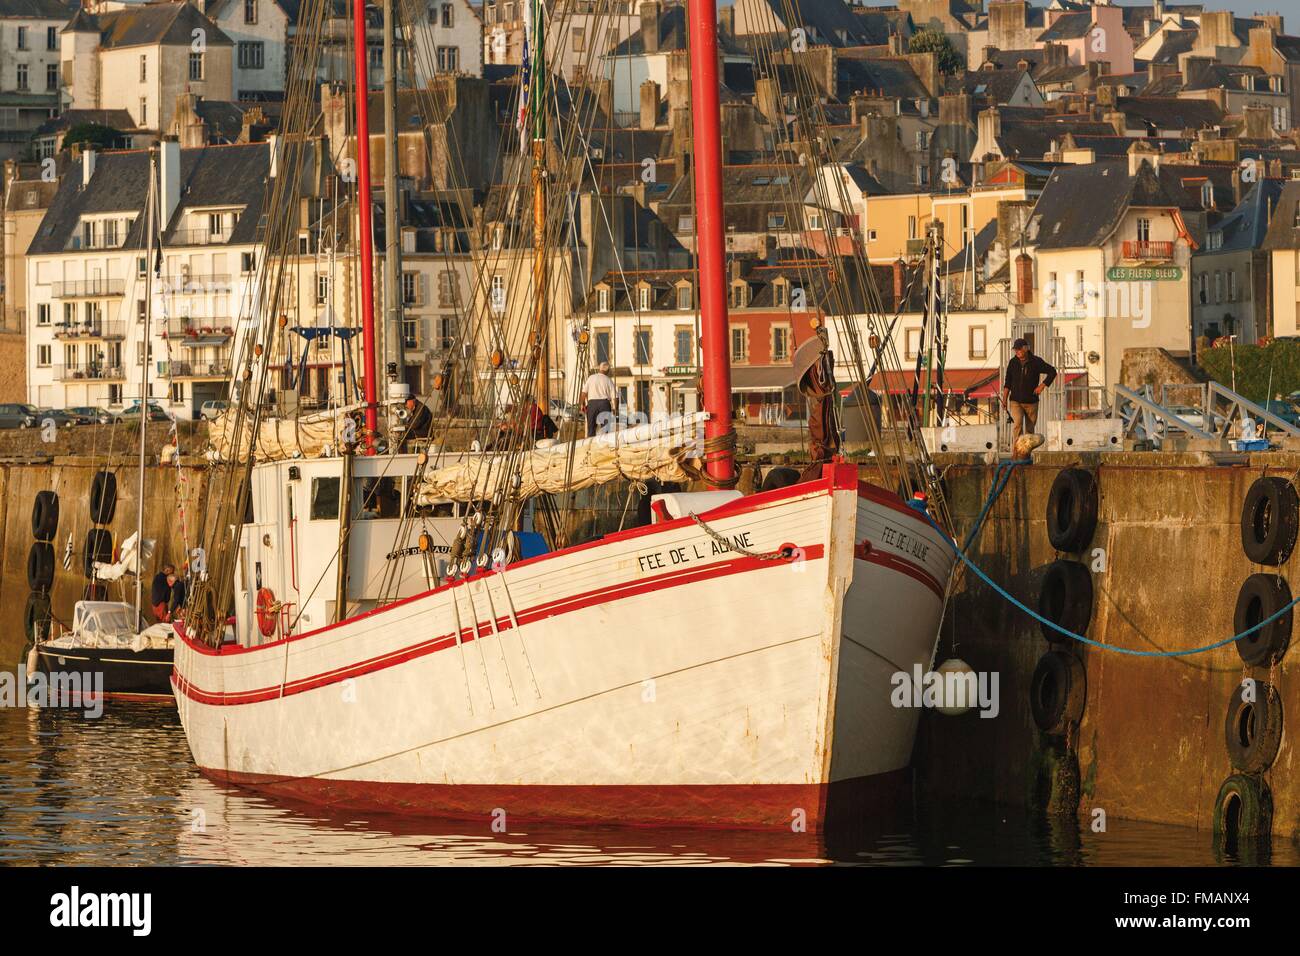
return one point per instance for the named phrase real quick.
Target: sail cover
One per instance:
(661, 450)
(307, 436)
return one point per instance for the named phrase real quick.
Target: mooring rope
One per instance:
(999, 483)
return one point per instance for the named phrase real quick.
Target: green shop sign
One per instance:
(1144, 274)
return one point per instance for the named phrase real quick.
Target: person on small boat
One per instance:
(599, 398)
(176, 603)
(160, 593)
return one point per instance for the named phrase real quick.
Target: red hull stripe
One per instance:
(904, 566)
(838, 478)
(733, 806)
(575, 602)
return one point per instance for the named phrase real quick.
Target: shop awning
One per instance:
(761, 378)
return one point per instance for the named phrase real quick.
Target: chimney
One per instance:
(1140, 152)
(169, 174)
(1024, 279)
(727, 21)
(649, 104)
(87, 166)
(900, 283)
(650, 13)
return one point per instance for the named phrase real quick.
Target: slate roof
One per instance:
(1063, 221)
(1247, 226)
(831, 19)
(1071, 26)
(211, 176)
(1176, 42)
(37, 9)
(1284, 230)
(1170, 113)
(997, 85)
(147, 24)
(114, 119)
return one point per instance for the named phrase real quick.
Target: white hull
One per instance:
(645, 678)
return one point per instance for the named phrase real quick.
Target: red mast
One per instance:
(367, 237)
(703, 35)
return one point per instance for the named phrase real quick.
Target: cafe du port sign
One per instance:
(1144, 274)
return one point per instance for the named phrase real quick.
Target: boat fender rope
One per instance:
(1016, 602)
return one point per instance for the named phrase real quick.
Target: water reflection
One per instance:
(122, 790)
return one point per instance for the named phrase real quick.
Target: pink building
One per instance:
(1095, 35)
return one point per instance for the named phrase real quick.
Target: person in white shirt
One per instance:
(599, 398)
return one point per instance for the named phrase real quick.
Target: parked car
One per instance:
(62, 417)
(211, 410)
(91, 414)
(132, 412)
(15, 415)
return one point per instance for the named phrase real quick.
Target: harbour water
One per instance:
(121, 790)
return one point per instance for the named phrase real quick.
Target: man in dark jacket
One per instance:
(1026, 377)
(160, 593)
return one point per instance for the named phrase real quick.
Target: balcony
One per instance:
(90, 372)
(90, 330)
(199, 331)
(196, 285)
(198, 237)
(87, 288)
(219, 369)
(1142, 250)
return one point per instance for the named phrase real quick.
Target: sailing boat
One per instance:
(728, 665)
(109, 642)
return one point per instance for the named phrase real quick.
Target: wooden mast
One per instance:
(537, 115)
(720, 458)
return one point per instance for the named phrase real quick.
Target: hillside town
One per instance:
(1118, 185)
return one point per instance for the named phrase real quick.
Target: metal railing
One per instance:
(87, 288)
(91, 371)
(191, 327)
(218, 369)
(198, 237)
(90, 330)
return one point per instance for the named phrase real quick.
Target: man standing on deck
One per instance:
(1023, 383)
(599, 398)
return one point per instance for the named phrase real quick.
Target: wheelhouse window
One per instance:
(324, 499)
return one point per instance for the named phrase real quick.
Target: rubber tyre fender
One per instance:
(36, 613)
(1065, 598)
(1252, 730)
(40, 566)
(103, 497)
(1270, 516)
(1261, 596)
(780, 477)
(1255, 816)
(45, 516)
(99, 547)
(1057, 692)
(1072, 510)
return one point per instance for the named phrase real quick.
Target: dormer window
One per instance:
(739, 295)
(643, 298)
(498, 235)
(602, 300)
(684, 298)
(1214, 240)
(781, 293)
(1207, 195)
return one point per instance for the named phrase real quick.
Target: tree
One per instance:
(94, 135)
(945, 54)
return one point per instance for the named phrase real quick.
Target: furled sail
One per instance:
(306, 436)
(661, 450)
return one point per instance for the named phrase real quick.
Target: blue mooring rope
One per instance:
(1000, 480)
